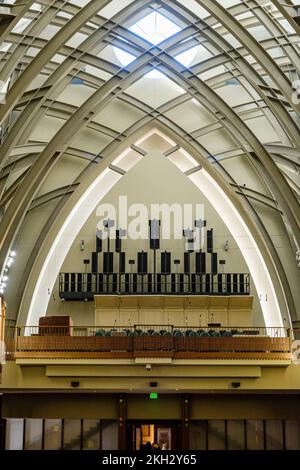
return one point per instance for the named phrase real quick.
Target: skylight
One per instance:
(154, 28)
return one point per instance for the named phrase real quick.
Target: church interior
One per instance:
(150, 225)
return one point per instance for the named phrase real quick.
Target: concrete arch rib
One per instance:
(253, 46)
(95, 186)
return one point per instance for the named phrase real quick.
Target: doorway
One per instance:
(153, 434)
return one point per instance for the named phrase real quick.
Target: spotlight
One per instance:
(75, 383)
(13, 254)
(235, 384)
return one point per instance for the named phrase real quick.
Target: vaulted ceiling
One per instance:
(67, 94)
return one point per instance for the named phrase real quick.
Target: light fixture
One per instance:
(4, 278)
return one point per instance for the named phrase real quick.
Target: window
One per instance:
(33, 434)
(216, 435)
(14, 434)
(255, 434)
(52, 434)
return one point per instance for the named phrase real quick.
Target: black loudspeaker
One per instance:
(66, 282)
(242, 284)
(98, 244)
(187, 263)
(235, 283)
(149, 284)
(100, 283)
(115, 283)
(142, 262)
(108, 262)
(214, 263)
(118, 242)
(200, 263)
(165, 262)
(207, 283)
(220, 283)
(158, 283)
(89, 282)
(210, 240)
(79, 282)
(134, 283)
(193, 284)
(228, 283)
(127, 283)
(154, 234)
(122, 262)
(94, 262)
(181, 283)
(73, 282)
(173, 283)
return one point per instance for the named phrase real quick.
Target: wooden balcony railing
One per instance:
(149, 341)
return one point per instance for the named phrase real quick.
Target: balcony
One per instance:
(148, 341)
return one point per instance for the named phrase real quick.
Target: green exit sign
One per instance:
(153, 396)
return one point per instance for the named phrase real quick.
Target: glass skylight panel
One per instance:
(21, 25)
(155, 28)
(124, 57)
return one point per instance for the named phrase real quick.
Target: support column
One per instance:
(122, 422)
(185, 424)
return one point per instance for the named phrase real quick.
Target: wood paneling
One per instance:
(174, 310)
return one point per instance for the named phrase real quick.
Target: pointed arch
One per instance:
(95, 186)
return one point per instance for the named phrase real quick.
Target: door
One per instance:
(148, 435)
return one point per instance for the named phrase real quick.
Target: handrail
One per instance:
(182, 342)
(148, 329)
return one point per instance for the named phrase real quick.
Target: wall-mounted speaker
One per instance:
(122, 262)
(187, 263)
(108, 263)
(94, 262)
(142, 262)
(154, 234)
(118, 242)
(200, 263)
(210, 240)
(98, 245)
(214, 263)
(165, 261)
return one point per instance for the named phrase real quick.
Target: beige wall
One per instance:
(153, 181)
(173, 310)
